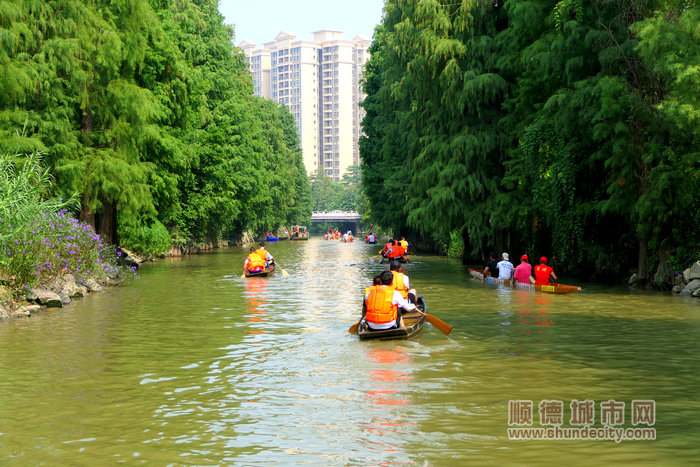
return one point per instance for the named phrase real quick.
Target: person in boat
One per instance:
(402, 283)
(505, 268)
(403, 243)
(387, 248)
(371, 238)
(382, 303)
(544, 273)
(523, 273)
(253, 263)
(396, 251)
(265, 255)
(491, 269)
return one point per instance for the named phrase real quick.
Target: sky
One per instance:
(260, 21)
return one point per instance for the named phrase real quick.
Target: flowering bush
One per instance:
(58, 244)
(38, 239)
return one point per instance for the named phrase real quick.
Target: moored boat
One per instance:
(264, 273)
(552, 288)
(413, 321)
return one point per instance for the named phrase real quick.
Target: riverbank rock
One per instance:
(692, 287)
(633, 279)
(694, 271)
(45, 297)
(92, 285)
(131, 259)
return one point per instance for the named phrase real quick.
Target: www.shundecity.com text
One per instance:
(606, 433)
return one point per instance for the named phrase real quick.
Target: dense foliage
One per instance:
(38, 237)
(568, 129)
(145, 108)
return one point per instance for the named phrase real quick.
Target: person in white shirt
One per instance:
(505, 268)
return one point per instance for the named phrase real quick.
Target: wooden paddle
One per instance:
(243, 275)
(284, 273)
(353, 328)
(437, 322)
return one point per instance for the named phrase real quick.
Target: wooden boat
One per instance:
(264, 273)
(413, 321)
(400, 259)
(371, 243)
(552, 288)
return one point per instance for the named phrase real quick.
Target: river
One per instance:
(193, 365)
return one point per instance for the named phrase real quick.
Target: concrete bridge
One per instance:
(348, 220)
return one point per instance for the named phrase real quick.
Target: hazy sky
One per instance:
(261, 21)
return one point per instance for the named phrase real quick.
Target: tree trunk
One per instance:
(643, 262)
(106, 223)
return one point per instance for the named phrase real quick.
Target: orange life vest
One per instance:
(404, 244)
(254, 262)
(380, 309)
(262, 254)
(396, 251)
(542, 272)
(399, 285)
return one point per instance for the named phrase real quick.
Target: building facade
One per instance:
(320, 82)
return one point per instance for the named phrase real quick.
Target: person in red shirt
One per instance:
(544, 272)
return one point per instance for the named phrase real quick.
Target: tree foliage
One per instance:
(556, 128)
(146, 109)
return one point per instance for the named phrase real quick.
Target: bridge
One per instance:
(350, 220)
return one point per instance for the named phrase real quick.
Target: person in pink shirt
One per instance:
(523, 273)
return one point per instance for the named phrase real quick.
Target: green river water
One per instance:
(192, 365)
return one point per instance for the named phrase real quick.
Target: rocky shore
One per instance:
(59, 291)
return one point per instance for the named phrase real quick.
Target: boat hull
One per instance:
(413, 321)
(554, 288)
(267, 272)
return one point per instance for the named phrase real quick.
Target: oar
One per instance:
(284, 273)
(243, 275)
(353, 328)
(437, 322)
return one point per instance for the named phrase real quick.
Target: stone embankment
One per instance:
(688, 283)
(59, 291)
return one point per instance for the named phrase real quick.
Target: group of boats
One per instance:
(415, 319)
(297, 232)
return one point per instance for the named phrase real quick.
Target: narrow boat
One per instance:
(413, 321)
(371, 243)
(400, 259)
(552, 288)
(298, 232)
(264, 273)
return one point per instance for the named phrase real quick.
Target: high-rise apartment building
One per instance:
(319, 81)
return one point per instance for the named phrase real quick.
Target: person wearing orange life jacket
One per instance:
(403, 244)
(396, 251)
(544, 272)
(402, 283)
(264, 255)
(253, 262)
(382, 303)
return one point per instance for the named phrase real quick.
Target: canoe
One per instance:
(400, 259)
(371, 243)
(264, 273)
(552, 288)
(413, 320)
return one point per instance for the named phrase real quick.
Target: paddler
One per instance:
(265, 255)
(253, 262)
(382, 303)
(543, 273)
(402, 283)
